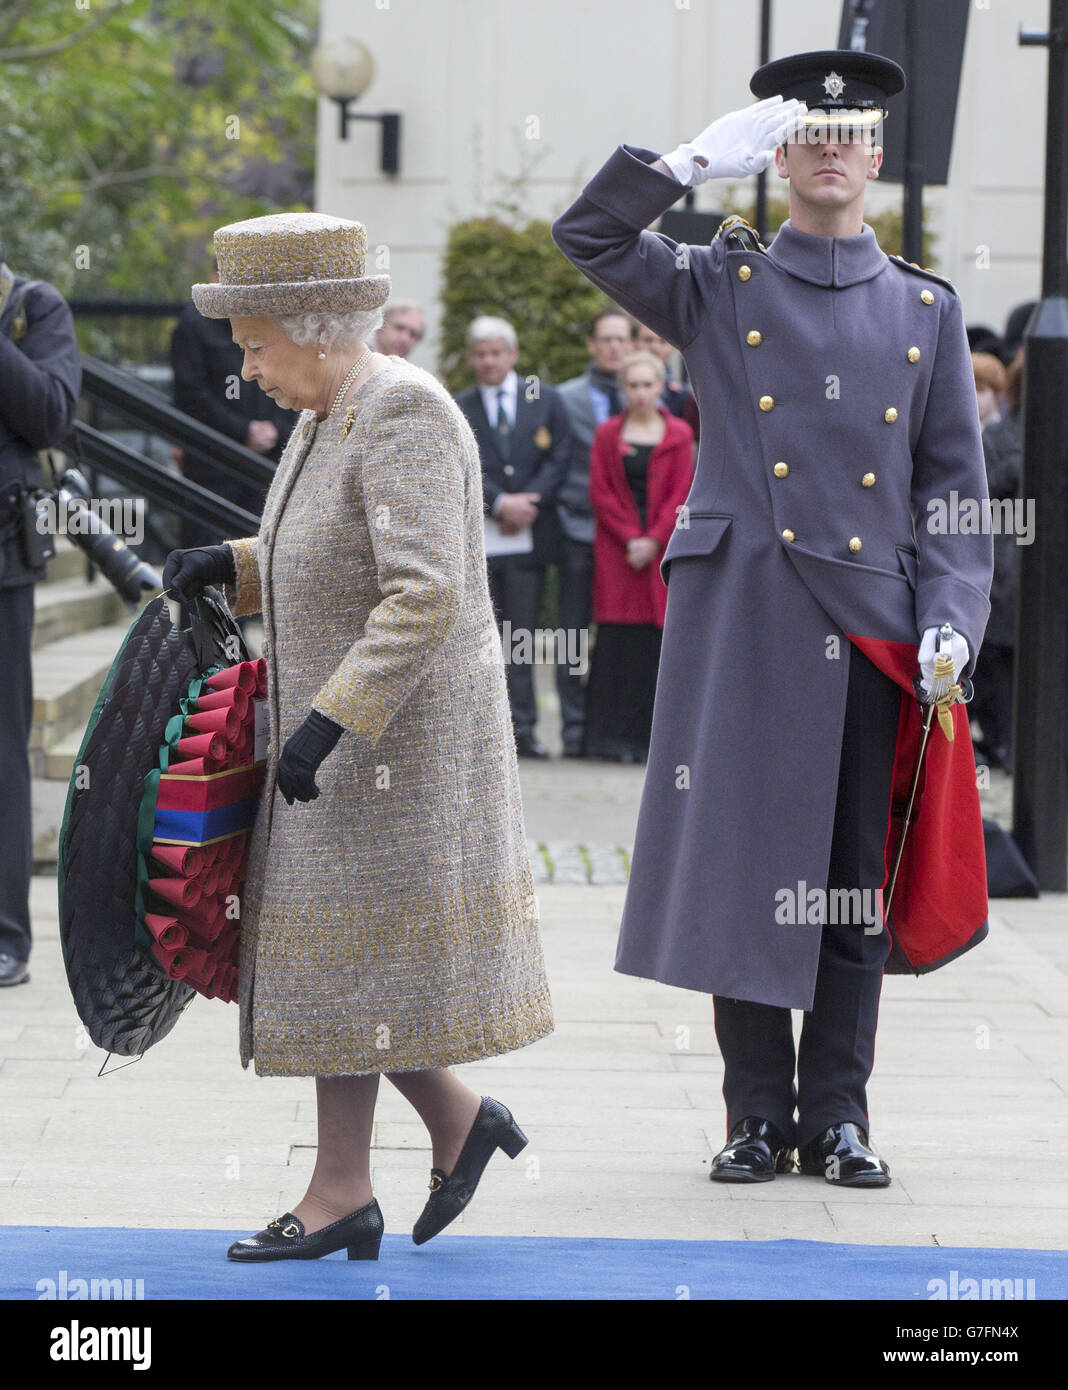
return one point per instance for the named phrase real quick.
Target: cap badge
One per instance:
(833, 85)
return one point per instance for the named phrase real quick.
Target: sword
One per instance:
(944, 693)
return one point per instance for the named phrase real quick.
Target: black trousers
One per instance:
(837, 1047)
(992, 705)
(16, 807)
(516, 583)
(575, 612)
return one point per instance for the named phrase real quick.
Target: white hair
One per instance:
(486, 328)
(343, 331)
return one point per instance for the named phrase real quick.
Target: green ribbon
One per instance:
(146, 814)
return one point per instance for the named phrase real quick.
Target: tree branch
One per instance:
(18, 14)
(109, 178)
(45, 50)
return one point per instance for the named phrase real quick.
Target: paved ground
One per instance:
(622, 1104)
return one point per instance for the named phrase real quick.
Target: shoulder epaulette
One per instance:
(739, 234)
(925, 271)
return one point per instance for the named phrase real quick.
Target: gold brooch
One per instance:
(350, 415)
(542, 438)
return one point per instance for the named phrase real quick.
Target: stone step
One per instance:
(68, 563)
(59, 757)
(66, 606)
(67, 676)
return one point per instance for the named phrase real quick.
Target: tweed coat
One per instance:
(837, 402)
(390, 924)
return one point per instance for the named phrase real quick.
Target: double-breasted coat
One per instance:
(837, 402)
(390, 924)
(622, 594)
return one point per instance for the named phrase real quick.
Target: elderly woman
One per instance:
(389, 922)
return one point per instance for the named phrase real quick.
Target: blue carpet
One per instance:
(180, 1264)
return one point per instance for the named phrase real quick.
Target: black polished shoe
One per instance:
(755, 1151)
(841, 1155)
(530, 746)
(284, 1239)
(493, 1129)
(12, 971)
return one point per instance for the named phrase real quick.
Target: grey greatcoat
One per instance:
(837, 400)
(390, 924)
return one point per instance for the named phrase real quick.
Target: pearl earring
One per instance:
(321, 356)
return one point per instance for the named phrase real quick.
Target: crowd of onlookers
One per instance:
(585, 478)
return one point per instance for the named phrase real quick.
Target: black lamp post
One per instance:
(343, 69)
(1040, 704)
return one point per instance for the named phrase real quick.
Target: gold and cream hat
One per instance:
(291, 263)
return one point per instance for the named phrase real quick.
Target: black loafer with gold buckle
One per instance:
(493, 1129)
(284, 1238)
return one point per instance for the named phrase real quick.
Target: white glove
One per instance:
(928, 650)
(741, 143)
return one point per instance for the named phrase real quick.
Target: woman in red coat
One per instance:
(641, 467)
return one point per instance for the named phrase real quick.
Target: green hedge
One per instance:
(518, 274)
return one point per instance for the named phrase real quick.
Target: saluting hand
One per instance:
(741, 143)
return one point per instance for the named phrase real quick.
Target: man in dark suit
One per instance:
(208, 386)
(524, 439)
(590, 400)
(40, 380)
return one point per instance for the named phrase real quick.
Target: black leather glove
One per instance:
(187, 572)
(303, 753)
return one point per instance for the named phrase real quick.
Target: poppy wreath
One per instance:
(110, 851)
(198, 805)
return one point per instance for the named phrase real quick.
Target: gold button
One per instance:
(927, 297)
(868, 480)
(788, 535)
(854, 544)
(753, 338)
(744, 272)
(767, 402)
(914, 354)
(781, 469)
(915, 265)
(890, 416)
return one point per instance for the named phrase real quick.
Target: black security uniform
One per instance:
(40, 380)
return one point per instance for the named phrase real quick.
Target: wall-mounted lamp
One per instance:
(343, 72)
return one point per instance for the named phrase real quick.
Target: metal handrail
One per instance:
(158, 483)
(111, 386)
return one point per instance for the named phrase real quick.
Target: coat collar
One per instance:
(613, 428)
(825, 260)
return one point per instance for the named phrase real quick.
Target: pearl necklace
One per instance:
(354, 372)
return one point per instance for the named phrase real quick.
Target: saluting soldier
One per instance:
(808, 573)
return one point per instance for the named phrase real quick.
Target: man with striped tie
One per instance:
(525, 444)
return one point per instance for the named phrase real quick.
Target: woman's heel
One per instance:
(366, 1249)
(513, 1141)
